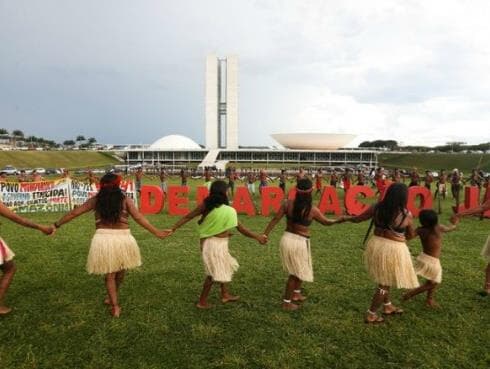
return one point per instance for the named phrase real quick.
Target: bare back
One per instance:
(431, 240)
(122, 222)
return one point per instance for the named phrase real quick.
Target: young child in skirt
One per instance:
(217, 219)
(427, 264)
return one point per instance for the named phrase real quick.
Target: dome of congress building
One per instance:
(313, 141)
(174, 142)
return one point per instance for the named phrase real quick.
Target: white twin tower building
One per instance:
(221, 102)
(221, 147)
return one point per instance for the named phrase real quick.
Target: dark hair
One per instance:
(302, 201)
(217, 197)
(109, 199)
(428, 218)
(393, 203)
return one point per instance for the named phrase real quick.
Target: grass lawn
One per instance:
(423, 161)
(56, 159)
(60, 321)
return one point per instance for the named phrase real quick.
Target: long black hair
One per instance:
(302, 201)
(217, 197)
(109, 199)
(393, 204)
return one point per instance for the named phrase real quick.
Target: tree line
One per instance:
(18, 137)
(448, 147)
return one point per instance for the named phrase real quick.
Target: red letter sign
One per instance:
(425, 199)
(174, 200)
(271, 197)
(353, 206)
(242, 202)
(151, 198)
(329, 201)
(202, 193)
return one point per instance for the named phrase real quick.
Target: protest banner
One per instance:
(52, 196)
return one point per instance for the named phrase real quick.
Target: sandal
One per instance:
(395, 311)
(376, 318)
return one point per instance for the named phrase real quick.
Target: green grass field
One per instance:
(423, 161)
(60, 321)
(56, 159)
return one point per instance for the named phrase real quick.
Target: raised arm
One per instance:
(367, 214)
(473, 211)
(275, 220)
(187, 218)
(447, 228)
(9, 214)
(141, 219)
(82, 209)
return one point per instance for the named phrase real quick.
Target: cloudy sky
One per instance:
(133, 71)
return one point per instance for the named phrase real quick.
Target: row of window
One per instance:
(254, 156)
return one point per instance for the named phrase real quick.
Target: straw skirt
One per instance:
(389, 263)
(5, 253)
(429, 267)
(296, 256)
(218, 263)
(486, 250)
(113, 250)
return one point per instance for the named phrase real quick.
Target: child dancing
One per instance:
(428, 264)
(217, 219)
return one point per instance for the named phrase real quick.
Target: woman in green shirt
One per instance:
(217, 220)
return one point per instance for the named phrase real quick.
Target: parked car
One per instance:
(40, 171)
(50, 171)
(9, 170)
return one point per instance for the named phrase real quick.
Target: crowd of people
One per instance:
(114, 250)
(379, 179)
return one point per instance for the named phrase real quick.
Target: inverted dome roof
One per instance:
(313, 141)
(174, 142)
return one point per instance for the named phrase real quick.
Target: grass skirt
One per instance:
(113, 250)
(5, 253)
(429, 267)
(389, 263)
(296, 256)
(486, 250)
(218, 263)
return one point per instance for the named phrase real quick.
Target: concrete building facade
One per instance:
(221, 102)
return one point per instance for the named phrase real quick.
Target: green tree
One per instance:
(18, 133)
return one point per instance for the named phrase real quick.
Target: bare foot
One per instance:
(116, 311)
(4, 310)
(229, 298)
(432, 304)
(107, 301)
(200, 305)
(298, 297)
(289, 306)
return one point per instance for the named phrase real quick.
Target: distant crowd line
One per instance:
(440, 183)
